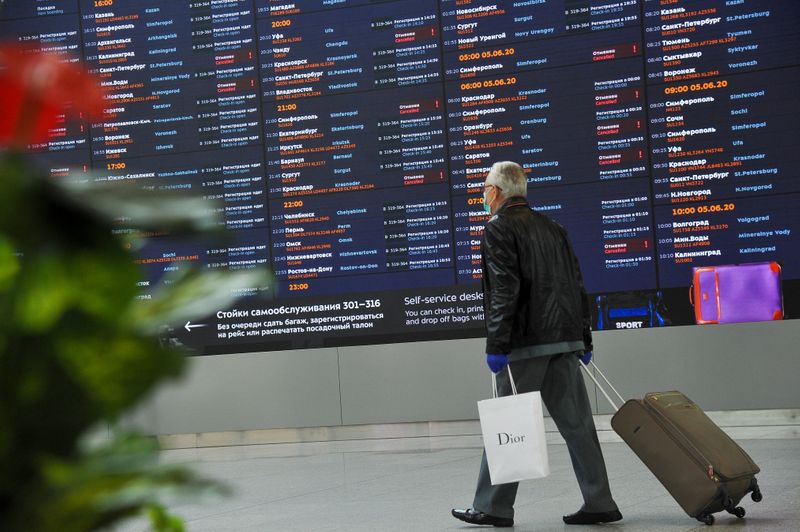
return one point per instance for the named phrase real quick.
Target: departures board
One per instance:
(346, 142)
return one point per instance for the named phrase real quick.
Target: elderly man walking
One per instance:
(537, 321)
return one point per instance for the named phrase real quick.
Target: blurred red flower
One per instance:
(36, 88)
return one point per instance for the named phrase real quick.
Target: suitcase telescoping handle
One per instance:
(600, 386)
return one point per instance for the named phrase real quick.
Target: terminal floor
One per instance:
(411, 485)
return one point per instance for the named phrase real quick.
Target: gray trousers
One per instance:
(559, 379)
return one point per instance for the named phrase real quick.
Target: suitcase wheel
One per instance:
(738, 512)
(755, 491)
(706, 518)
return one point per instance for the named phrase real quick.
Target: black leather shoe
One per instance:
(474, 517)
(592, 518)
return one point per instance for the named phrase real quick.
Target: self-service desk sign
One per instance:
(513, 436)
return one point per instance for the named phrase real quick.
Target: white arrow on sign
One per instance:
(189, 326)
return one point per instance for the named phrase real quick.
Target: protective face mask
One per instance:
(486, 206)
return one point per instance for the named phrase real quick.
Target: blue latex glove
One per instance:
(586, 358)
(496, 362)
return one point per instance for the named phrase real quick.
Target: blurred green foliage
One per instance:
(77, 349)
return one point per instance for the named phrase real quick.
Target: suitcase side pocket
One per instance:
(705, 295)
(726, 458)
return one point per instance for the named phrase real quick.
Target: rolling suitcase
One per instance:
(737, 293)
(703, 469)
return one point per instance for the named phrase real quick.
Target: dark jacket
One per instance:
(532, 284)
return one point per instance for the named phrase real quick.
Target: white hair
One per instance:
(509, 177)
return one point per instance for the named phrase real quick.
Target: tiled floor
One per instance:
(411, 484)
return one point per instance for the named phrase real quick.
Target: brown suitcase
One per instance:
(703, 469)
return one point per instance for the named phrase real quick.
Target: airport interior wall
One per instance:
(721, 367)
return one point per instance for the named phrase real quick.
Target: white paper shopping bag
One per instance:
(513, 436)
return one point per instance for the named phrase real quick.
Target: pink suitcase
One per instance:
(737, 293)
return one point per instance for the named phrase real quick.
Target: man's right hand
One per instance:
(586, 357)
(496, 362)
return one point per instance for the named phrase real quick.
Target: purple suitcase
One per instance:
(737, 293)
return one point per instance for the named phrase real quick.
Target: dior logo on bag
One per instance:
(505, 438)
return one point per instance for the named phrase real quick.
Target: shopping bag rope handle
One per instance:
(510, 378)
